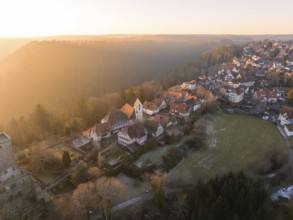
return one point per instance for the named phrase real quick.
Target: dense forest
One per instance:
(57, 73)
(233, 196)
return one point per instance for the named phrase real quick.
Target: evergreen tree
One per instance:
(66, 159)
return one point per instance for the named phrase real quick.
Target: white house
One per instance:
(229, 77)
(286, 115)
(99, 131)
(164, 120)
(189, 85)
(117, 119)
(135, 133)
(288, 129)
(235, 95)
(266, 95)
(179, 109)
(193, 103)
(150, 108)
(154, 128)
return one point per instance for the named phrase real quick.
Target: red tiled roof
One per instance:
(288, 110)
(175, 94)
(162, 119)
(158, 101)
(136, 130)
(180, 107)
(103, 128)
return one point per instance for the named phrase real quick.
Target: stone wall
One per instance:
(7, 159)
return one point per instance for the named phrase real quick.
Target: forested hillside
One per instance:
(57, 73)
(42, 122)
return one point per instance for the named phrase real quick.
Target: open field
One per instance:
(235, 142)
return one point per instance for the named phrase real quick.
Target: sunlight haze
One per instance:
(31, 18)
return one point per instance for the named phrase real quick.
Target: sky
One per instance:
(31, 18)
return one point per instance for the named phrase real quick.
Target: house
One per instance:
(261, 73)
(242, 81)
(134, 112)
(286, 115)
(229, 77)
(193, 103)
(153, 107)
(150, 108)
(164, 120)
(179, 109)
(288, 129)
(266, 95)
(154, 128)
(204, 94)
(247, 81)
(189, 85)
(135, 133)
(160, 102)
(283, 195)
(176, 96)
(99, 131)
(117, 120)
(235, 95)
(261, 95)
(272, 96)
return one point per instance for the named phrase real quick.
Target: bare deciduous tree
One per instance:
(98, 195)
(158, 182)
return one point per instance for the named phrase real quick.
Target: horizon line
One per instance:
(126, 34)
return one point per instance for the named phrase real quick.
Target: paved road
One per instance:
(138, 200)
(126, 204)
(133, 201)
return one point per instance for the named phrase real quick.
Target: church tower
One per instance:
(138, 108)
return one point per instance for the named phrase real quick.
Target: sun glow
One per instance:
(24, 18)
(27, 18)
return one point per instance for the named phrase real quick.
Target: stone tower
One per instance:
(7, 159)
(138, 108)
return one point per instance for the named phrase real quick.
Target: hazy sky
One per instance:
(20, 18)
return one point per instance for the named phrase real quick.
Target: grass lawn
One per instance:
(155, 156)
(235, 142)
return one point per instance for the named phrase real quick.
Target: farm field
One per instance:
(234, 142)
